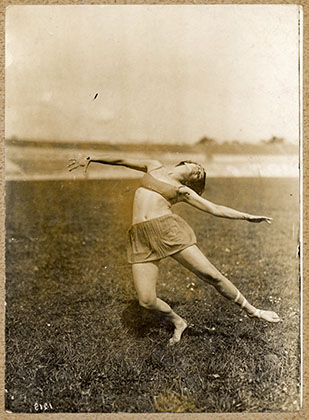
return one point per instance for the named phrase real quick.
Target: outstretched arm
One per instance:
(192, 198)
(139, 165)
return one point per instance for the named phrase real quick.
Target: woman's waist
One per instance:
(166, 216)
(142, 217)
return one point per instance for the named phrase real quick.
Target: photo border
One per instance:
(304, 412)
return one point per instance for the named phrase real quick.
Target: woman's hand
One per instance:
(79, 163)
(258, 219)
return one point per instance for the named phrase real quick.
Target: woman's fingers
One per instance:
(74, 164)
(267, 219)
(259, 219)
(86, 167)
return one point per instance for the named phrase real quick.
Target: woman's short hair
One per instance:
(198, 184)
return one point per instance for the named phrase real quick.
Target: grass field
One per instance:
(77, 340)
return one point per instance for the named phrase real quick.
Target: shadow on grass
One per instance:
(139, 322)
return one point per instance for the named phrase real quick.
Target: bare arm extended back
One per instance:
(143, 165)
(200, 203)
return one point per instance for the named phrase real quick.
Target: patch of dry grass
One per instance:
(76, 339)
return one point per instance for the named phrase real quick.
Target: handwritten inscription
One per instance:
(39, 407)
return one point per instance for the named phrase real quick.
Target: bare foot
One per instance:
(180, 326)
(269, 316)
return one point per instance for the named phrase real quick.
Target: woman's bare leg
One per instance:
(193, 259)
(145, 277)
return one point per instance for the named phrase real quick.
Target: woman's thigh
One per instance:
(193, 259)
(145, 277)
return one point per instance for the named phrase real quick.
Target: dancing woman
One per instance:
(157, 232)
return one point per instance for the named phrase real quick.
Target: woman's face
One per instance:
(194, 171)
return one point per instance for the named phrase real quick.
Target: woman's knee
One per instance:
(147, 302)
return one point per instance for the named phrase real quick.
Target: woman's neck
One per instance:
(178, 174)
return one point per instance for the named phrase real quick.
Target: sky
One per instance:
(165, 74)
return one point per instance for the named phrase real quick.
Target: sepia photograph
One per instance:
(153, 172)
